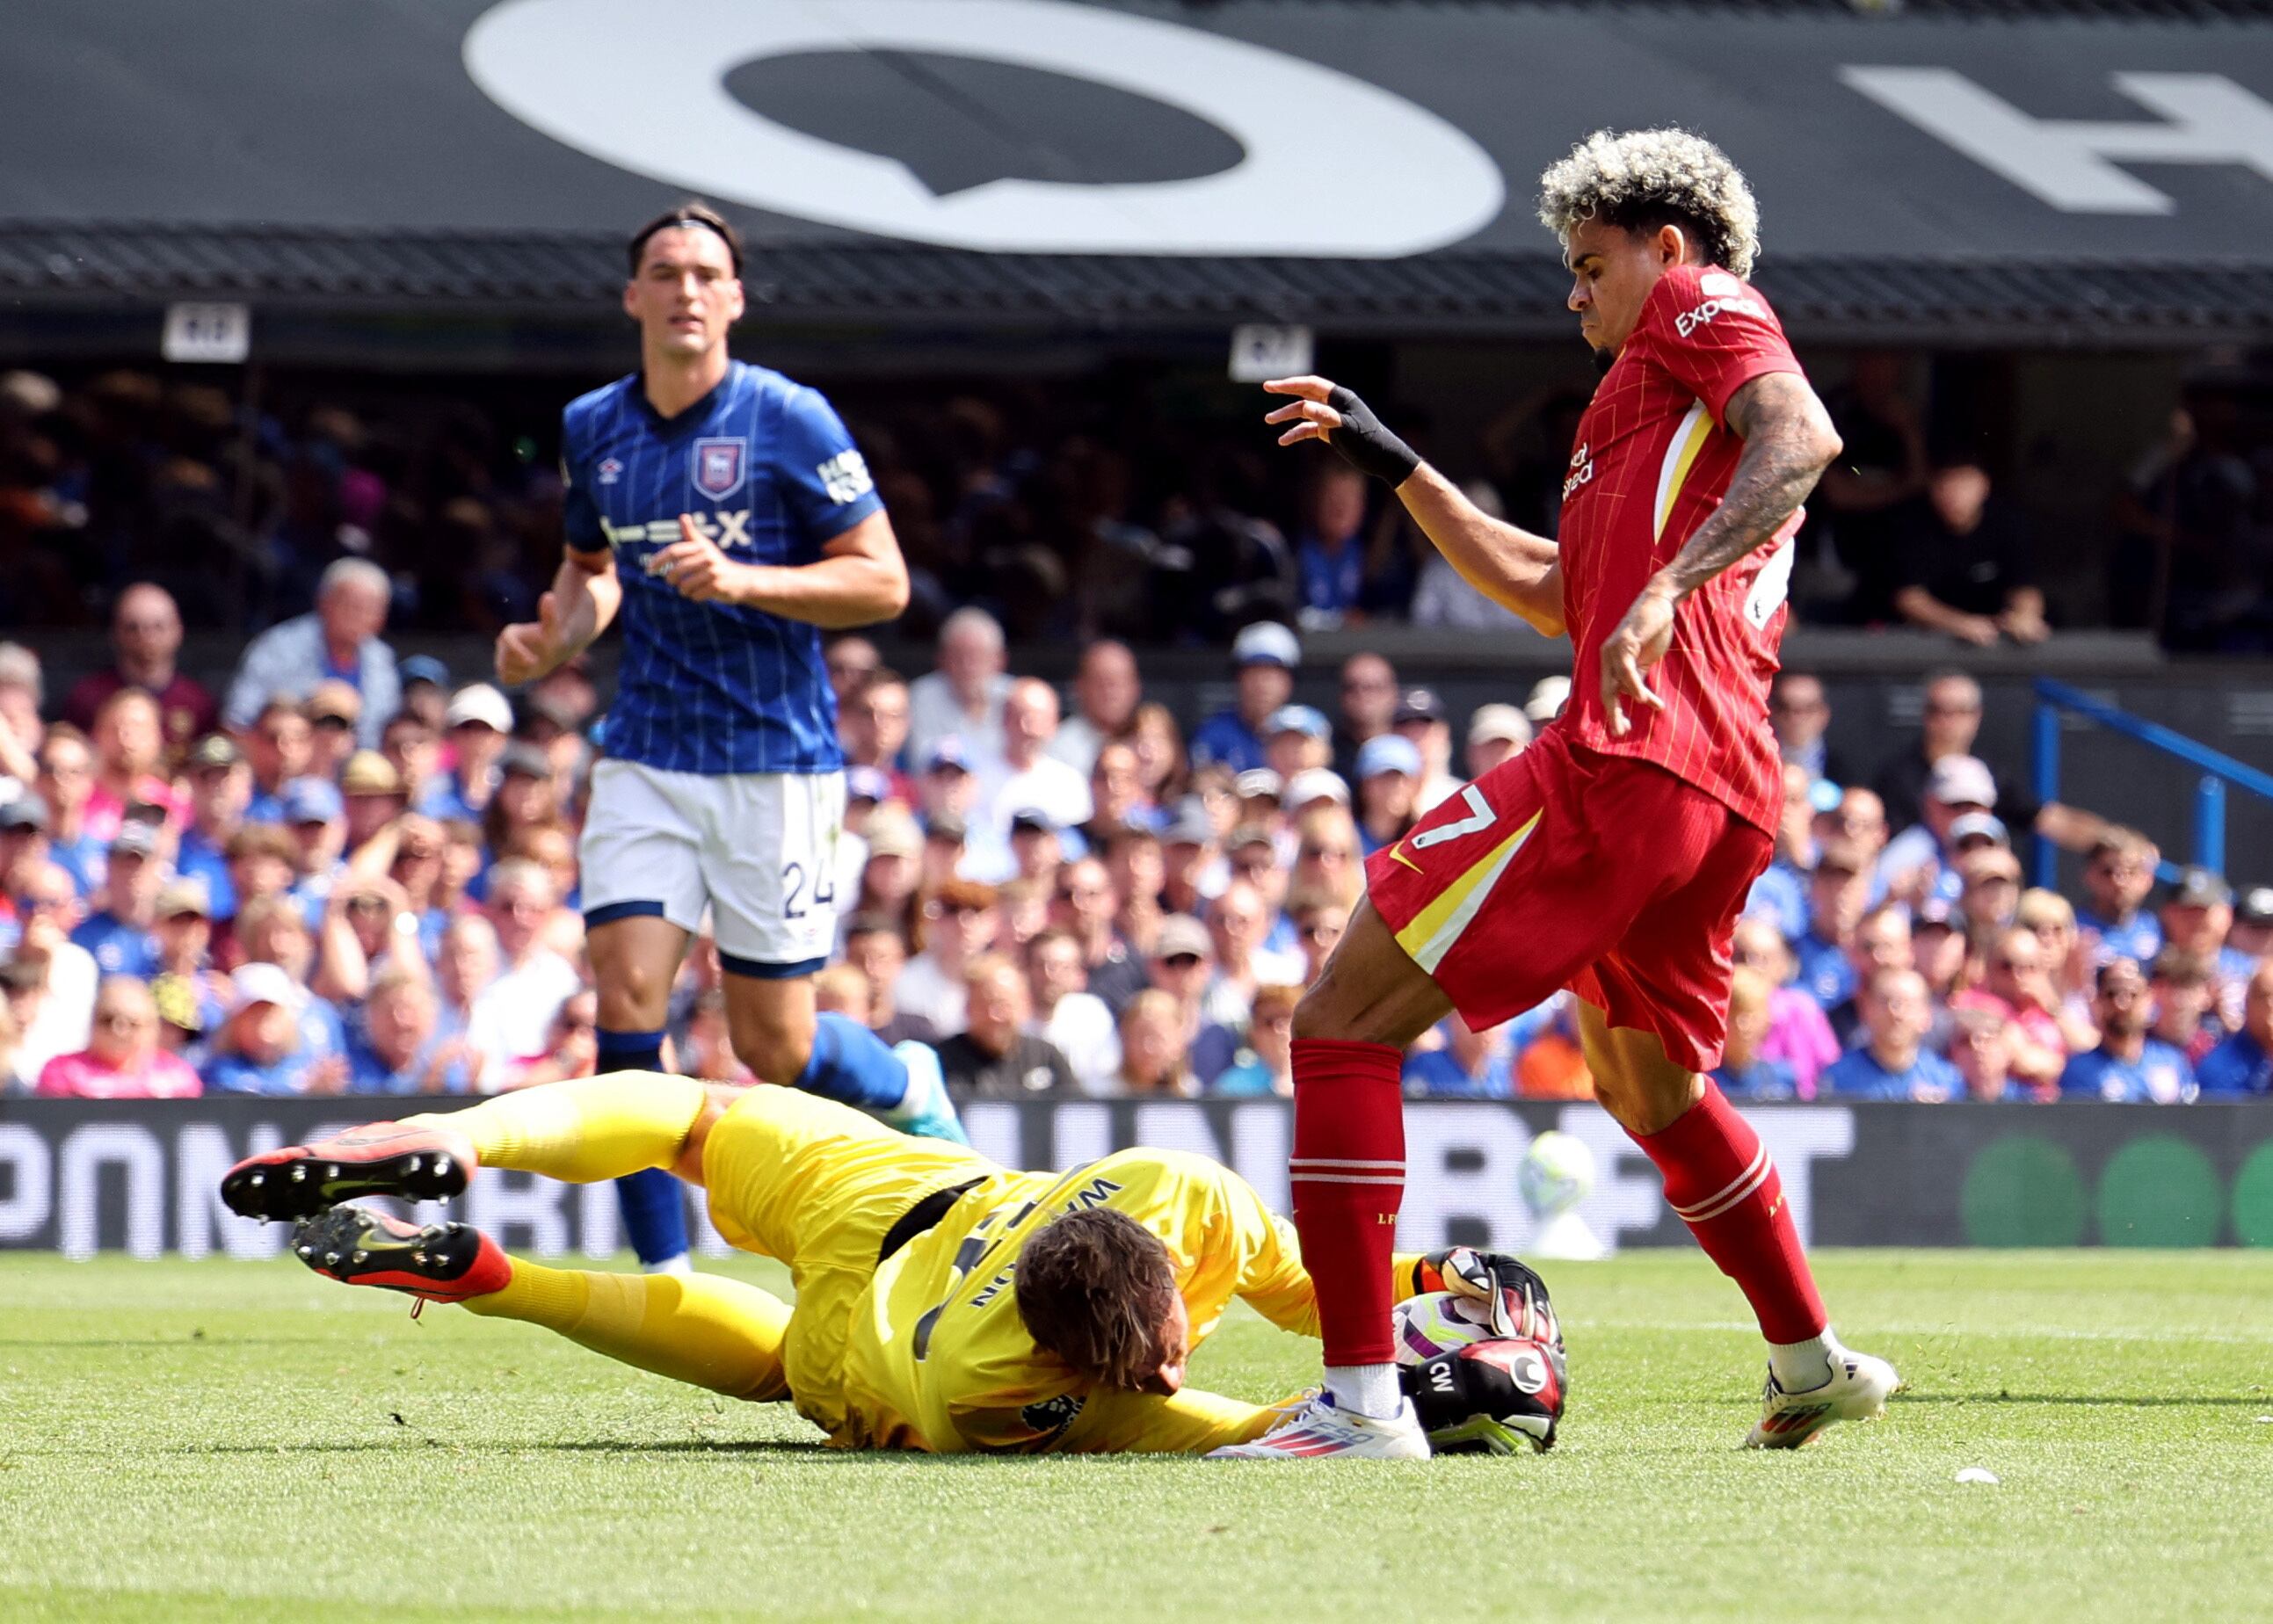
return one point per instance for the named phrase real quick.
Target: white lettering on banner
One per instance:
(30, 1175)
(202, 1154)
(598, 1217)
(2070, 163)
(1178, 1124)
(500, 1202)
(1628, 1196)
(1079, 1134)
(643, 87)
(1797, 1137)
(993, 1126)
(89, 1149)
(1459, 1179)
(1260, 1133)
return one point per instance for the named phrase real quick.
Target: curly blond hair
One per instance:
(1645, 178)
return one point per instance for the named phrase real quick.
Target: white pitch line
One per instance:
(2048, 1333)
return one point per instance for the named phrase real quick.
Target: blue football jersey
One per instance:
(769, 473)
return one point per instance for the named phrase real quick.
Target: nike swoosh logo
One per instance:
(1397, 854)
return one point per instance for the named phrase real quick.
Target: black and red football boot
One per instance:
(441, 1263)
(378, 1158)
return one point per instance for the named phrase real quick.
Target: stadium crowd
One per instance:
(349, 873)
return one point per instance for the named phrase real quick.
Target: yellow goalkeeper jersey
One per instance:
(939, 1359)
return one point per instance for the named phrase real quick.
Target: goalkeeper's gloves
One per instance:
(1366, 443)
(1512, 1287)
(1496, 1395)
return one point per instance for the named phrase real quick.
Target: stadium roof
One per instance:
(2059, 175)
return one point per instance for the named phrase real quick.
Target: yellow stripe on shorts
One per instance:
(1434, 929)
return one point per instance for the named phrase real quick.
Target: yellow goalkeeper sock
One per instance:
(584, 1130)
(706, 1330)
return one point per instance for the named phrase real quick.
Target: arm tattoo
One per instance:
(1783, 429)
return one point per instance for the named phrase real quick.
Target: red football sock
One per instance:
(1348, 1175)
(1718, 1177)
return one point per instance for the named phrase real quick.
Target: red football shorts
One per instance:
(1564, 868)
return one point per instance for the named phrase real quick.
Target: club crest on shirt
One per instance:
(610, 471)
(721, 464)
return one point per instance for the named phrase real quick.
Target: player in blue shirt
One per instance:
(2129, 1067)
(1893, 1063)
(2243, 1064)
(725, 513)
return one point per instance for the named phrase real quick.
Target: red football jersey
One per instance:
(1653, 459)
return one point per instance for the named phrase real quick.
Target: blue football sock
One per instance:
(852, 1066)
(653, 1202)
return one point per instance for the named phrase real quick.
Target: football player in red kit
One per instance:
(1612, 857)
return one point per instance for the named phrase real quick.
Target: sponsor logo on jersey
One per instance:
(1582, 469)
(1689, 321)
(844, 476)
(727, 528)
(610, 471)
(1052, 1416)
(1720, 285)
(721, 464)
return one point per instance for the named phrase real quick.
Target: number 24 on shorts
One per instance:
(794, 899)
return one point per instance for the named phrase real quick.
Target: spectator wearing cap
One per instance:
(949, 791)
(872, 728)
(2252, 932)
(511, 1016)
(1938, 954)
(130, 758)
(123, 1058)
(278, 746)
(1320, 789)
(340, 639)
(1989, 899)
(1239, 927)
(963, 698)
(333, 710)
(1745, 1071)
(1545, 701)
(22, 693)
(1028, 778)
(1496, 732)
(2131, 1066)
(192, 996)
(1921, 862)
(1155, 1050)
(893, 871)
(527, 797)
(995, 1056)
(1261, 794)
(1117, 799)
(425, 691)
(274, 931)
(1881, 942)
(1037, 850)
(543, 723)
(959, 919)
(117, 932)
(1297, 739)
(371, 795)
(1893, 1061)
(23, 854)
(1797, 1034)
(46, 909)
(1799, 714)
(1859, 818)
(315, 816)
(1183, 965)
(476, 724)
(1065, 1013)
(1086, 907)
(1107, 691)
(1838, 894)
(221, 789)
(262, 1048)
(2117, 877)
(1253, 856)
(2241, 1066)
(1420, 718)
(1263, 658)
(1388, 786)
(945, 856)
(145, 639)
(2198, 916)
(400, 1049)
(1192, 866)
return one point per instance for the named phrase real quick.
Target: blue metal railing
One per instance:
(2219, 770)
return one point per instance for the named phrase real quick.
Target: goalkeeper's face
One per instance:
(686, 295)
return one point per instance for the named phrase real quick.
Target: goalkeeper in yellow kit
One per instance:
(943, 1303)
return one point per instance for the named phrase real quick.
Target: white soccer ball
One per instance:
(1437, 1322)
(1557, 1174)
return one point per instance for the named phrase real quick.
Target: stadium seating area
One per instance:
(345, 874)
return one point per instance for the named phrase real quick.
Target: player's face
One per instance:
(1612, 271)
(686, 295)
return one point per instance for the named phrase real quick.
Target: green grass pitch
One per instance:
(209, 1440)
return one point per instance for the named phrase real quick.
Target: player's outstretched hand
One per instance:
(527, 650)
(694, 565)
(1639, 642)
(1332, 414)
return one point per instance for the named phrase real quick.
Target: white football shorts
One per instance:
(759, 850)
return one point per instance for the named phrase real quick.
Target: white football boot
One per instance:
(1857, 1391)
(1322, 1428)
